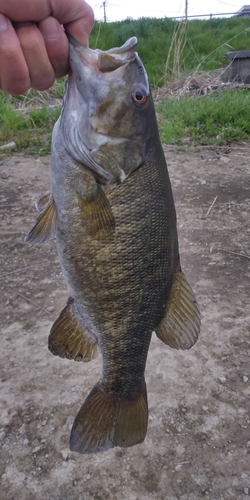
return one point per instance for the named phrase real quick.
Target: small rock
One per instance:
(178, 467)
(36, 449)
(64, 454)
(224, 159)
(25, 442)
(39, 295)
(9, 145)
(245, 378)
(145, 453)
(246, 491)
(4, 175)
(243, 476)
(222, 380)
(50, 308)
(205, 408)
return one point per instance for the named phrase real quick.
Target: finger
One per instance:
(80, 28)
(14, 73)
(41, 71)
(56, 45)
(76, 15)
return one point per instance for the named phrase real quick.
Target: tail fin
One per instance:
(107, 420)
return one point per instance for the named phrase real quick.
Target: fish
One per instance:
(112, 212)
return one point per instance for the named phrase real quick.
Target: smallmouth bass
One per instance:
(113, 215)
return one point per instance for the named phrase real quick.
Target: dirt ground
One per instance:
(198, 440)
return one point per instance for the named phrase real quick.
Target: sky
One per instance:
(116, 10)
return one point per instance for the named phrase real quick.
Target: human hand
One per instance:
(33, 45)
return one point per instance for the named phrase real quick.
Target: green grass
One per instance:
(170, 50)
(31, 131)
(204, 43)
(218, 118)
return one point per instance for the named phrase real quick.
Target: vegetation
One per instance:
(28, 120)
(170, 50)
(217, 118)
(201, 44)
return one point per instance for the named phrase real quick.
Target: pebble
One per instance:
(205, 408)
(224, 159)
(8, 145)
(64, 454)
(145, 453)
(39, 295)
(25, 442)
(245, 378)
(178, 467)
(4, 175)
(246, 491)
(36, 449)
(243, 476)
(50, 308)
(222, 380)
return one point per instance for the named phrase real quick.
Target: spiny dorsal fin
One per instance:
(45, 226)
(97, 213)
(106, 420)
(180, 325)
(69, 338)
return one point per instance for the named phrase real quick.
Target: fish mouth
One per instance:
(108, 60)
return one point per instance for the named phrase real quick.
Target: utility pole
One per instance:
(104, 11)
(186, 9)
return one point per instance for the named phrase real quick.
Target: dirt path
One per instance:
(198, 441)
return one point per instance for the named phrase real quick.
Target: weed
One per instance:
(169, 49)
(30, 128)
(217, 118)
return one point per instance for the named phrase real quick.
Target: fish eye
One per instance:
(139, 96)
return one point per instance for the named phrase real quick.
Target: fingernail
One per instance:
(50, 28)
(3, 22)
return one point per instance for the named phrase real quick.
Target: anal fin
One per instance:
(106, 420)
(180, 325)
(69, 338)
(45, 226)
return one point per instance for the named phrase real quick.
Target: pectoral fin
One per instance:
(69, 338)
(45, 226)
(180, 325)
(43, 200)
(96, 212)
